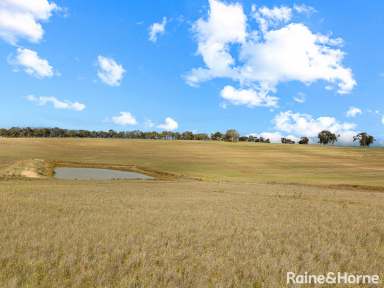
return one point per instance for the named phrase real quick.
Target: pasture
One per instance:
(213, 161)
(219, 215)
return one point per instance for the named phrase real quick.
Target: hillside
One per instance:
(217, 161)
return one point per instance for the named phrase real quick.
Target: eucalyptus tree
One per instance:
(232, 135)
(327, 137)
(304, 140)
(364, 139)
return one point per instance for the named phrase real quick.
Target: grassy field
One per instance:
(229, 227)
(240, 162)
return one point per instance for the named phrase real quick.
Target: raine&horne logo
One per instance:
(332, 278)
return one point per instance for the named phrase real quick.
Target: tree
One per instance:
(287, 141)
(201, 137)
(167, 135)
(262, 140)
(252, 138)
(187, 135)
(232, 135)
(217, 136)
(304, 140)
(364, 139)
(243, 139)
(327, 137)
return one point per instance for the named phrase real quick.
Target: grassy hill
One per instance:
(249, 162)
(228, 230)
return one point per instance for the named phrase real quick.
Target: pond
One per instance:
(68, 173)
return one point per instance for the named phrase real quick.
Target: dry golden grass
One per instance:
(245, 162)
(183, 234)
(32, 168)
(226, 232)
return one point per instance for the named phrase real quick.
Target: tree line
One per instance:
(230, 136)
(324, 137)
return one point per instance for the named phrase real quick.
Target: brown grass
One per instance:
(212, 161)
(183, 234)
(32, 168)
(224, 232)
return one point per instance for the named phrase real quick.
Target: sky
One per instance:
(268, 68)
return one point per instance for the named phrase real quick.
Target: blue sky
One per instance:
(276, 68)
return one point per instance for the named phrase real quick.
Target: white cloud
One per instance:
(157, 29)
(305, 125)
(226, 24)
(248, 97)
(353, 112)
(275, 53)
(346, 137)
(57, 104)
(22, 19)
(169, 124)
(304, 9)
(109, 71)
(382, 120)
(281, 14)
(275, 137)
(267, 17)
(32, 64)
(294, 53)
(124, 118)
(300, 98)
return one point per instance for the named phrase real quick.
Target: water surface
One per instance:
(68, 173)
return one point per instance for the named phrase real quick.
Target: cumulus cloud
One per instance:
(278, 51)
(23, 18)
(353, 112)
(225, 25)
(169, 124)
(294, 53)
(248, 97)
(29, 61)
(124, 119)
(109, 71)
(305, 125)
(157, 29)
(57, 104)
(267, 17)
